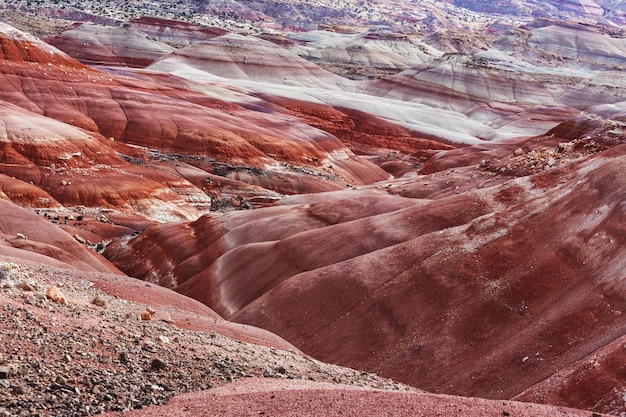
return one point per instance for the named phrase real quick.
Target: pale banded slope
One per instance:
(371, 53)
(555, 44)
(284, 78)
(240, 57)
(109, 45)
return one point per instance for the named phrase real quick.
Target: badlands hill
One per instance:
(444, 209)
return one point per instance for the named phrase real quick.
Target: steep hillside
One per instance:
(487, 275)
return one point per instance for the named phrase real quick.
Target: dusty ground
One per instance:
(262, 397)
(96, 354)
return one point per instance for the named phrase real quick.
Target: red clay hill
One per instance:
(484, 277)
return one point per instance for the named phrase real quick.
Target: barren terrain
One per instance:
(204, 205)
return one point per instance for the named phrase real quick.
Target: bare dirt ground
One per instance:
(263, 397)
(97, 354)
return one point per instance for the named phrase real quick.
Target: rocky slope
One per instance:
(113, 343)
(343, 16)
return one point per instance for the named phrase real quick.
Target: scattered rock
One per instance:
(21, 235)
(518, 152)
(55, 294)
(4, 372)
(99, 301)
(565, 147)
(145, 315)
(26, 286)
(80, 239)
(157, 364)
(150, 310)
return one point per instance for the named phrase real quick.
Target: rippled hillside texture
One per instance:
(437, 197)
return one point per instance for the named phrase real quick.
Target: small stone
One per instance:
(25, 286)
(150, 310)
(164, 339)
(4, 372)
(20, 389)
(565, 147)
(63, 183)
(55, 294)
(168, 319)
(157, 364)
(80, 239)
(145, 315)
(99, 301)
(131, 316)
(123, 358)
(518, 152)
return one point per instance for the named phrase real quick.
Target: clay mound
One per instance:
(587, 384)
(394, 148)
(578, 42)
(234, 59)
(375, 52)
(472, 79)
(505, 98)
(305, 398)
(559, 44)
(240, 57)
(173, 32)
(26, 236)
(53, 163)
(105, 45)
